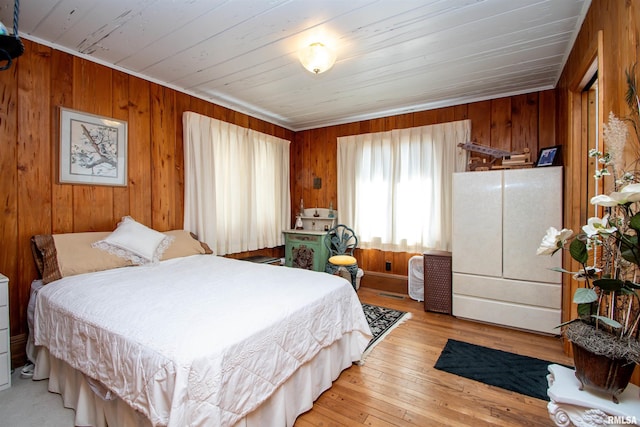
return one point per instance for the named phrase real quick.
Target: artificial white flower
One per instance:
(603, 200)
(597, 226)
(553, 241)
(629, 194)
(625, 179)
(633, 190)
(594, 153)
(608, 242)
(603, 160)
(601, 172)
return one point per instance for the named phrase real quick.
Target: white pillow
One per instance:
(135, 242)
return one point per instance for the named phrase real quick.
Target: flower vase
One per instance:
(601, 373)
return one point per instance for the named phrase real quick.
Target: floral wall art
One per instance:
(93, 149)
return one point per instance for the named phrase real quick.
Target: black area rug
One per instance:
(522, 374)
(381, 321)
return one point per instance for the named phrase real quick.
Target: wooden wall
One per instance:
(39, 82)
(617, 23)
(42, 79)
(510, 123)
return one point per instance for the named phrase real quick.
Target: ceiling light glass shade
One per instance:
(317, 58)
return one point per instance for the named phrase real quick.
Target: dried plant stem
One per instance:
(628, 316)
(635, 325)
(599, 305)
(612, 305)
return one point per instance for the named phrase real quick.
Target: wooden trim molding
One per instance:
(18, 350)
(385, 282)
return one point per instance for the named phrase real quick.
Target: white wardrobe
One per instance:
(499, 220)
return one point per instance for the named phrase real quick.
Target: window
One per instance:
(236, 185)
(394, 188)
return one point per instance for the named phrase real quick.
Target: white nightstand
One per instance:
(5, 353)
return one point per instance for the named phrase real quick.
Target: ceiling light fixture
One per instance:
(10, 45)
(317, 57)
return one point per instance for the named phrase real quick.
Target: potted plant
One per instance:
(605, 334)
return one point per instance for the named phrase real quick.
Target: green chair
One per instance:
(341, 241)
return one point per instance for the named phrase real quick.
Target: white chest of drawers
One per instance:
(5, 354)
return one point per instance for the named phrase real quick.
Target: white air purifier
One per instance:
(416, 278)
(345, 274)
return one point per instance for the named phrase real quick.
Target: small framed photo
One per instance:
(93, 149)
(550, 156)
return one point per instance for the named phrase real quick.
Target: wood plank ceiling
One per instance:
(394, 56)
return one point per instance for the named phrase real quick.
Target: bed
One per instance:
(192, 339)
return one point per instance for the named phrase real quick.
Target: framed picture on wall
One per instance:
(93, 149)
(550, 156)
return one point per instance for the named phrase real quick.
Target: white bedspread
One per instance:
(201, 340)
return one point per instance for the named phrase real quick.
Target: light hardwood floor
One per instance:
(398, 386)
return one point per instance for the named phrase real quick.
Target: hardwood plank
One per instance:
(33, 174)
(398, 386)
(501, 123)
(295, 165)
(182, 105)
(330, 179)
(461, 112)
(377, 125)
(524, 116)
(304, 175)
(547, 114)
(9, 201)
(92, 93)
(8, 166)
(446, 114)
(93, 208)
(203, 107)
(424, 118)
(162, 157)
(120, 111)
(139, 151)
(61, 96)
(318, 169)
(404, 121)
(222, 113)
(480, 115)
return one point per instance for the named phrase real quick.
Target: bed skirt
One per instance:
(94, 405)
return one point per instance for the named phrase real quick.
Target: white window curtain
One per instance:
(394, 188)
(236, 185)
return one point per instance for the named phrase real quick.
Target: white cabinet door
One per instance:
(532, 203)
(477, 223)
